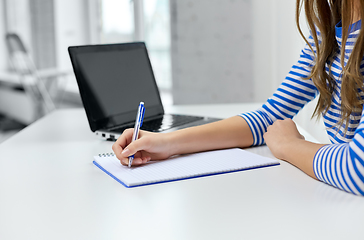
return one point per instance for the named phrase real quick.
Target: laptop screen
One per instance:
(112, 80)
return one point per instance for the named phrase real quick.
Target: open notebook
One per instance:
(182, 166)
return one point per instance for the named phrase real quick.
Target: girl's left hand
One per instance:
(281, 136)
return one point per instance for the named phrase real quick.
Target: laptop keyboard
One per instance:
(167, 122)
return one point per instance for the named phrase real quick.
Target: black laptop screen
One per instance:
(112, 80)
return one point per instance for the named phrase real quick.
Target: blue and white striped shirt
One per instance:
(340, 164)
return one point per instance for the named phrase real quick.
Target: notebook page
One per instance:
(183, 166)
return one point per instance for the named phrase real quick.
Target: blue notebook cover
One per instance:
(182, 167)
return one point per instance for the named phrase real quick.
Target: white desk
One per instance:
(49, 189)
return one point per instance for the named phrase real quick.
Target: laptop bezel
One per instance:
(113, 121)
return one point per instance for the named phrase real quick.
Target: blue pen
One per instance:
(138, 124)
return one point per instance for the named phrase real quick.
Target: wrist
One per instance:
(179, 142)
(289, 147)
(172, 143)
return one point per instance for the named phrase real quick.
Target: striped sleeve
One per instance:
(291, 96)
(342, 165)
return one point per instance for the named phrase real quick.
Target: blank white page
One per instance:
(182, 166)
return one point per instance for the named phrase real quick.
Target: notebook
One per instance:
(112, 79)
(182, 167)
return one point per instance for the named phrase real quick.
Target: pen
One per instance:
(138, 124)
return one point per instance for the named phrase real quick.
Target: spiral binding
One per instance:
(106, 154)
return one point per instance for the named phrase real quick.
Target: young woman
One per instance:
(331, 66)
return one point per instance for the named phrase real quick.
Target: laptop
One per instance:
(112, 80)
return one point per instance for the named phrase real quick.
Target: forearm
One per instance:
(301, 153)
(286, 143)
(227, 133)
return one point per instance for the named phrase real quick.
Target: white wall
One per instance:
(211, 51)
(277, 46)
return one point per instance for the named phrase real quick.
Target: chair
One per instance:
(38, 84)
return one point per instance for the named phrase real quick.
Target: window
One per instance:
(157, 38)
(117, 21)
(142, 20)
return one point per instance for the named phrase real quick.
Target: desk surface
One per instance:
(49, 189)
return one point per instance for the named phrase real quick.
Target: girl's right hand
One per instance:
(149, 146)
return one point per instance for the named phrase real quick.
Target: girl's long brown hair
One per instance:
(324, 15)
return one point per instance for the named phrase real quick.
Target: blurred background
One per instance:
(202, 51)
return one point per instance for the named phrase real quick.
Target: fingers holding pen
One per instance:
(140, 157)
(149, 146)
(124, 147)
(122, 142)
